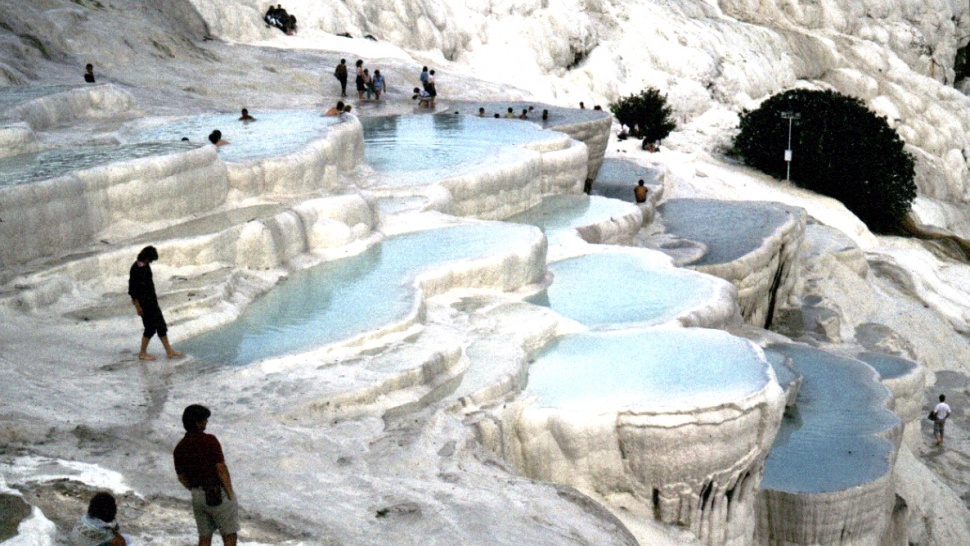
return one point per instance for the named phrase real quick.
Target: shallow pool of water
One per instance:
(656, 369)
(558, 215)
(348, 297)
(273, 133)
(619, 290)
(888, 366)
(34, 167)
(13, 95)
(831, 441)
(729, 229)
(439, 142)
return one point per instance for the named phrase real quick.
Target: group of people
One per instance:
(278, 17)
(510, 113)
(428, 92)
(200, 467)
(367, 84)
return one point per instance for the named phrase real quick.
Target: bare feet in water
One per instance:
(146, 357)
(174, 354)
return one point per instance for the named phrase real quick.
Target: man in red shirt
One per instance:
(201, 468)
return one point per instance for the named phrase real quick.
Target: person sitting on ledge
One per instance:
(510, 114)
(336, 110)
(215, 137)
(640, 192)
(89, 73)
(524, 114)
(423, 97)
(481, 112)
(497, 116)
(545, 115)
(98, 526)
(581, 105)
(245, 116)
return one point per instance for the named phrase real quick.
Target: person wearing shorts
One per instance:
(942, 411)
(201, 468)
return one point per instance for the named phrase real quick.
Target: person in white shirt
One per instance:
(942, 412)
(98, 527)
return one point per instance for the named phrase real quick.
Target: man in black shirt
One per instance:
(89, 73)
(141, 288)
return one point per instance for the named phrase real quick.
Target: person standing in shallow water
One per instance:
(141, 288)
(942, 412)
(89, 73)
(640, 192)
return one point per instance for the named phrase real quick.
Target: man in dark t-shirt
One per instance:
(201, 468)
(141, 288)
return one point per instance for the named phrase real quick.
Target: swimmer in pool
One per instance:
(336, 110)
(245, 116)
(215, 137)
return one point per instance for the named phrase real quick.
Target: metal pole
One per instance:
(788, 169)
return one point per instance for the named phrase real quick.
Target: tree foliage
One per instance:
(840, 149)
(646, 114)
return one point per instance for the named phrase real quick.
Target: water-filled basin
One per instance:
(622, 289)
(274, 133)
(656, 369)
(436, 144)
(558, 215)
(836, 436)
(345, 298)
(34, 167)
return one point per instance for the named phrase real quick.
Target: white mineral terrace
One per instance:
(414, 327)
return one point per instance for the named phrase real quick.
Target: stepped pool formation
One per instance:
(350, 297)
(420, 325)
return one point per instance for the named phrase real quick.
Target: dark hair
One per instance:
(193, 415)
(942, 397)
(359, 62)
(185, 138)
(103, 507)
(215, 136)
(148, 254)
(481, 109)
(416, 90)
(510, 109)
(340, 105)
(496, 114)
(424, 69)
(244, 111)
(343, 61)
(640, 182)
(378, 71)
(432, 72)
(89, 66)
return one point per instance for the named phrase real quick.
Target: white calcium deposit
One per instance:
(426, 430)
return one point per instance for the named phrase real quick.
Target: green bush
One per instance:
(646, 114)
(840, 149)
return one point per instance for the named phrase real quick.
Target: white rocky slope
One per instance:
(711, 59)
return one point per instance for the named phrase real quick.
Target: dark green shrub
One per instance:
(646, 114)
(840, 149)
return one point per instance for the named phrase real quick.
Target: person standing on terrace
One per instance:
(141, 288)
(359, 80)
(378, 84)
(341, 74)
(942, 412)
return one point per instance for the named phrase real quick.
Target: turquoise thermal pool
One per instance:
(729, 229)
(650, 369)
(273, 133)
(622, 289)
(557, 215)
(345, 298)
(34, 167)
(436, 144)
(837, 436)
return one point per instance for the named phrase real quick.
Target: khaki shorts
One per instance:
(209, 519)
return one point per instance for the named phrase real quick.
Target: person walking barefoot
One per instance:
(141, 288)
